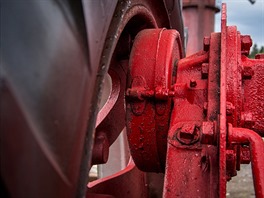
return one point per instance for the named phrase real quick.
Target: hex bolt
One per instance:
(193, 83)
(204, 70)
(187, 131)
(188, 134)
(208, 133)
(206, 43)
(247, 73)
(247, 120)
(246, 43)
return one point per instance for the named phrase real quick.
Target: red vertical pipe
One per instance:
(199, 19)
(242, 135)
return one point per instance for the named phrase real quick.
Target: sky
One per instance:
(248, 18)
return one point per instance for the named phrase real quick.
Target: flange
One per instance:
(152, 64)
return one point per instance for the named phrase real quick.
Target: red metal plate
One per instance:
(222, 117)
(153, 57)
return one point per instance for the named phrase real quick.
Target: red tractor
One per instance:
(85, 83)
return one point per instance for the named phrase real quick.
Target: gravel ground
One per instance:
(241, 186)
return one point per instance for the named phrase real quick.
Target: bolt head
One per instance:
(247, 73)
(247, 120)
(246, 43)
(208, 133)
(187, 131)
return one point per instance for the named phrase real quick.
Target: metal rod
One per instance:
(243, 135)
(194, 60)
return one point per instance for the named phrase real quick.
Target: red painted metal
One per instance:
(101, 149)
(253, 109)
(130, 17)
(222, 116)
(153, 58)
(196, 160)
(247, 136)
(178, 109)
(129, 183)
(107, 122)
(212, 88)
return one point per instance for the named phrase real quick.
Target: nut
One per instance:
(247, 73)
(188, 133)
(246, 43)
(208, 133)
(247, 120)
